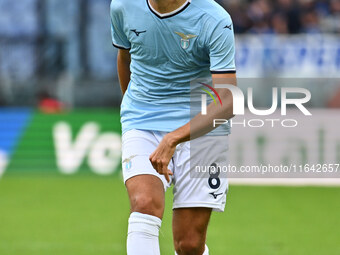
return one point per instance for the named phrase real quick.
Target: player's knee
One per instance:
(189, 246)
(148, 205)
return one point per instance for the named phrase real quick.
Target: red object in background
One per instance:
(51, 105)
(335, 100)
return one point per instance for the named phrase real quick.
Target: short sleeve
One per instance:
(222, 48)
(119, 39)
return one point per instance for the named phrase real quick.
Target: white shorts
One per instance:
(190, 189)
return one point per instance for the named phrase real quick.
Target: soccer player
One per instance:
(164, 45)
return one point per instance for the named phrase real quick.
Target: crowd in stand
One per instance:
(284, 16)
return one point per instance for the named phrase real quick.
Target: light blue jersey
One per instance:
(168, 51)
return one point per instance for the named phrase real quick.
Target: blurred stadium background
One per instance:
(60, 182)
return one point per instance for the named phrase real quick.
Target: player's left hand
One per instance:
(161, 157)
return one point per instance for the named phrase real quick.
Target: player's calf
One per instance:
(189, 229)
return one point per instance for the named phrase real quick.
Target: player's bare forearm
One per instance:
(198, 126)
(123, 66)
(203, 124)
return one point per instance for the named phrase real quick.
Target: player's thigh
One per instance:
(145, 186)
(146, 194)
(190, 229)
(198, 177)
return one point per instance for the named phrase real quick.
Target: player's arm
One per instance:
(221, 45)
(123, 66)
(198, 126)
(120, 41)
(203, 124)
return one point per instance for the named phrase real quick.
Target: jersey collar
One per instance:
(169, 14)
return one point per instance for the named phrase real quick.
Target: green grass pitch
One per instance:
(86, 214)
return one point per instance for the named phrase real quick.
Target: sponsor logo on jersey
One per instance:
(138, 32)
(229, 27)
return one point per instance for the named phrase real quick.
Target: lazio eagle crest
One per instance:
(128, 162)
(185, 41)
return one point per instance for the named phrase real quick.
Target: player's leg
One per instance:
(197, 194)
(146, 194)
(190, 230)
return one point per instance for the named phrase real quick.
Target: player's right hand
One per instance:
(161, 157)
